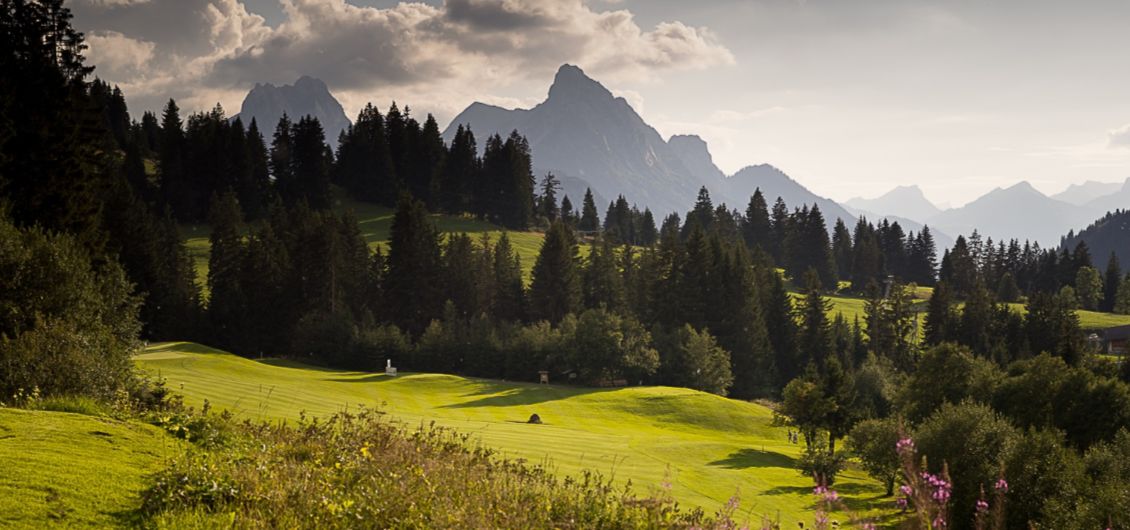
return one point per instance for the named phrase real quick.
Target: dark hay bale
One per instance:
(534, 418)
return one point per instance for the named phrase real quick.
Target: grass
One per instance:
(709, 448)
(74, 470)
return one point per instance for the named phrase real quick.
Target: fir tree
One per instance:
(756, 227)
(647, 234)
(1111, 281)
(814, 341)
(547, 202)
(555, 289)
(589, 221)
(414, 279)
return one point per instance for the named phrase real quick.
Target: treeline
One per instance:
(1012, 271)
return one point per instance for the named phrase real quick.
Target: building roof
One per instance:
(1116, 333)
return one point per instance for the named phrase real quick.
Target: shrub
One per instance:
(375, 345)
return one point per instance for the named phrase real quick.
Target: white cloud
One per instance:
(118, 55)
(1120, 137)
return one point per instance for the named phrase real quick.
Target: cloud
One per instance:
(118, 55)
(114, 3)
(414, 51)
(1120, 138)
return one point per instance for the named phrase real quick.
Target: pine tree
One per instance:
(460, 170)
(647, 235)
(867, 258)
(780, 320)
(589, 222)
(757, 230)
(841, 249)
(1111, 281)
(226, 306)
(601, 283)
(310, 166)
(555, 289)
(814, 340)
(547, 202)
(940, 316)
(702, 215)
(282, 158)
(781, 225)
(509, 297)
(568, 215)
(256, 193)
(414, 279)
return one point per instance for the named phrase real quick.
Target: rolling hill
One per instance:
(707, 447)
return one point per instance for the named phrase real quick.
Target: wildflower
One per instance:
(905, 489)
(819, 490)
(831, 496)
(982, 506)
(901, 502)
(939, 522)
(1002, 485)
(905, 445)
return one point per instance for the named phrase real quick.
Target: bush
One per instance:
(873, 442)
(373, 346)
(973, 441)
(67, 325)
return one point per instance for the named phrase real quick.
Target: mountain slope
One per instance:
(582, 131)
(1019, 212)
(775, 183)
(903, 201)
(1111, 233)
(590, 138)
(307, 96)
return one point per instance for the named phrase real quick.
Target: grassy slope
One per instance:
(73, 470)
(708, 446)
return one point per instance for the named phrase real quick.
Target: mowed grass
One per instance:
(59, 469)
(707, 447)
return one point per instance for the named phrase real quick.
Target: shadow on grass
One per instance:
(747, 458)
(508, 395)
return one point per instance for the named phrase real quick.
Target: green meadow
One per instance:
(705, 448)
(62, 469)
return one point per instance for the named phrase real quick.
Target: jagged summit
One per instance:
(571, 83)
(308, 96)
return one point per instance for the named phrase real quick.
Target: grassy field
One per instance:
(707, 447)
(69, 470)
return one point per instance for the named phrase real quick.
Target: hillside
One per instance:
(707, 447)
(1109, 234)
(74, 470)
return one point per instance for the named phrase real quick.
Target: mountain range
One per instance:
(306, 97)
(590, 138)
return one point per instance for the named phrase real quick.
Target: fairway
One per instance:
(73, 470)
(707, 447)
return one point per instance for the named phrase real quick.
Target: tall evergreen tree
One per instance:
(814, 342)
(310, 166)
(547, 201)
(647, 235)
(757, 230)
(841, 249)
(509, 298)
(226, 306)
(601, 283)
(555, 289)
(589, 222)
(1111, 279)
(414, 279)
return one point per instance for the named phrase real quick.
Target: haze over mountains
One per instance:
(591, 139)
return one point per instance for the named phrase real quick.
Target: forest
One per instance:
(992, 376)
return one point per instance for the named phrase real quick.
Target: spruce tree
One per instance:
(547, 201)
(414, 277)
(841, 249)
(568, 214)
(509, 302)
(647, 235)
(226, 306)
(310, 166)
(590, 221)
(814, 341)
(1111, 281)
(555, 288)
(601, 283)
(757, 230)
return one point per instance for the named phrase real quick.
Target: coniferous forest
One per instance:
(990, 373)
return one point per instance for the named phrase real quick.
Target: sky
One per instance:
(851, 98)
